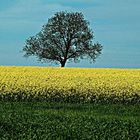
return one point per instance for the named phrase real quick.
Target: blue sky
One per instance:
(116, 25)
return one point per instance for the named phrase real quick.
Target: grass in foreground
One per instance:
(41, 121)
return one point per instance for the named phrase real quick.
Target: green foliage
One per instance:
(38, 121)
(66, 36)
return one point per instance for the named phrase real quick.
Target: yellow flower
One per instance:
(86, 84)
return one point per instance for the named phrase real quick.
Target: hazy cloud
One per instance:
(116, 26)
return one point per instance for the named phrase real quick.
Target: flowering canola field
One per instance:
(69, 84)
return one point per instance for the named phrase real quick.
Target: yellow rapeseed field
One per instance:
(70, 84)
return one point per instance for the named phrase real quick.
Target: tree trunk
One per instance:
(63, 63)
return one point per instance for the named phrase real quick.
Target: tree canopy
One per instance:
(66, 37)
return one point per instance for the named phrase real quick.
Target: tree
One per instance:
(66, 37)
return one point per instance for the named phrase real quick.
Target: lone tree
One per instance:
(66, 37)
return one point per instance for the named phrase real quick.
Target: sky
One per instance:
(116, 25)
